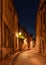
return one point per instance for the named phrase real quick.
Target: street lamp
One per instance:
(20, 33)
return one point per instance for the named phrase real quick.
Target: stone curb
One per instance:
(14, 58)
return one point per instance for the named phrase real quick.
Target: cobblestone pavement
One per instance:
(29, 58)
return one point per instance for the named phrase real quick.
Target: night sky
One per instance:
(27, 10)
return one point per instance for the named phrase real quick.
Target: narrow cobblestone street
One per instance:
(22, 32)
(29, 58)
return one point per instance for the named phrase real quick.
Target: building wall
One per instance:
(15, 31)
(38, 31)
(8, 27)
(0, 22)
(41, 28)
(26, 42)
(0, 28)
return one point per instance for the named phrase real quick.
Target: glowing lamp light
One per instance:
(25, 39)
(16, 34)
(20, 33)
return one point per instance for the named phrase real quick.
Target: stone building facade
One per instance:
(25, 40)
(41, 28)
(8, 28)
